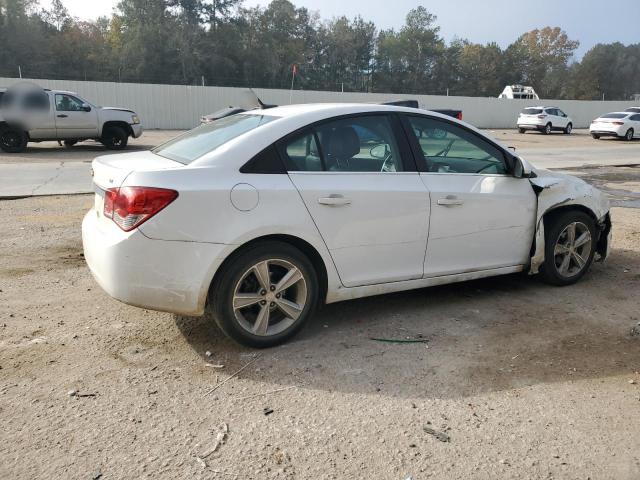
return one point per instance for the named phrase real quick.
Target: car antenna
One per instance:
(262, 105)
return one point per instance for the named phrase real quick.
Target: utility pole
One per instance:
(19, 71)
(203, 80)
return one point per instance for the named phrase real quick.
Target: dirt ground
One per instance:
(517, 379)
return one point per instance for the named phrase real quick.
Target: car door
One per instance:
(481, 216)
(72, 120)
(635, 121)
(563, 119)
(357, 178)
(38, 115)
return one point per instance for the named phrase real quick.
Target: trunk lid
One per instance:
(109, 171)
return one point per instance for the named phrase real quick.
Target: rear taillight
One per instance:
(459, 116)
(618, 123)
(542, 116)
(130, 207)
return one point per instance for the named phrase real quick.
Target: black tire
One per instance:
(629, 135)
(522, 130)
(568, 129)
(115, 138)
(547, 129)
(595, 136)
(221, 294)
(70, 143)
(13, 140)
(555, 226)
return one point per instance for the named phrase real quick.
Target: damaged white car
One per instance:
(260, 217)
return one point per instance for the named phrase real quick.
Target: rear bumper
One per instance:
(136, 130)
(155, 274)
(606, 133)
(530, 126)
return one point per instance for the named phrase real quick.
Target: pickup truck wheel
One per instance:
(13, 140)
(70, 143)
(115, 138)
(521, 130)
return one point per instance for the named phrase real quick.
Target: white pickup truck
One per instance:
(36, 115)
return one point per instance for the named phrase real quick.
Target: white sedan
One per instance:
(260, 217)
(617, 124)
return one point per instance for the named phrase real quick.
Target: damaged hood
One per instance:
(557, 189)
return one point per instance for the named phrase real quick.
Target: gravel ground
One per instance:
(517, 380)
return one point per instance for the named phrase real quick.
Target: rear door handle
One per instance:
(63, 116)
(334, 200)
(449, 201)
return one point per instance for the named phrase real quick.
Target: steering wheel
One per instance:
(486, 166)
(445, 151)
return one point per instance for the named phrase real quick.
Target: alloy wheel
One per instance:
(269, 297)
(572, 249)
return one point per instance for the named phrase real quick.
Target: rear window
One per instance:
(206, 138)
(532, 111)
(615, 115)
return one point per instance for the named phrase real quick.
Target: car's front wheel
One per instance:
(265, 294)
(629, 135)
(595, 136)
(570, 242)
(568, 129)
(115, 138)
(521, 130)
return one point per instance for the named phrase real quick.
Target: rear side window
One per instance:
(206, 138)
(356, 144)
(633, 110)
(36, 101)
(635, 118)
(532, 111)
(615, 115)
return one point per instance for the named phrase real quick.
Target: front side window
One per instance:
(355, 144)
(206, 138)
(68, 103)
(448, 148)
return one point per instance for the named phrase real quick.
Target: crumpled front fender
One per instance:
(557, 190)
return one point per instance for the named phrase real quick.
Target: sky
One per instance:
(481, 21)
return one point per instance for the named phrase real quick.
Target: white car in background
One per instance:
(633, 110)
(624, 125)
(545, 120)
(261, 216)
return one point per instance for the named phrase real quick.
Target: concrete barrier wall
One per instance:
(180, 107)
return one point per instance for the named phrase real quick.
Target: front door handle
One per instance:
(63, 116)
(334, 200)
(449, 201)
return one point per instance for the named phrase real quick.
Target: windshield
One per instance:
(615, 115)
(206, 138)
(532, 111)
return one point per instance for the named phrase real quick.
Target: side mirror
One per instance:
(521, 168)
(86, 107)
(379, 151)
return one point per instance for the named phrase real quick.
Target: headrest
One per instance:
(344, 143)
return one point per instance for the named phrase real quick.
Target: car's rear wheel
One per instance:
(264, 295)
(570, 243)
(521, 130)
(115, 138)
(568, 129)
(70, 143)
(629, 135)
(595, 136)
(13, 140)
(547, 129)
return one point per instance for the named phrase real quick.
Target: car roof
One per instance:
(619, 113)
(290, 118)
